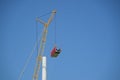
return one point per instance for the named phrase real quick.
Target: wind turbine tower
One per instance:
(44, 74)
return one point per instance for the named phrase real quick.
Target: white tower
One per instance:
(43, 68)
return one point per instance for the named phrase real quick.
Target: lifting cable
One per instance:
(55, 31)
(44, 14)
(37, 35)
(31, 53)
(27, 61)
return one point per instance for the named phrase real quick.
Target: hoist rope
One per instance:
(44, 14)
(37, 35)
(27, 61)
(55, 30)
(31, 54)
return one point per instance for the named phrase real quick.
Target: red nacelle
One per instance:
(55, 52)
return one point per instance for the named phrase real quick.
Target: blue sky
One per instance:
(87, 31)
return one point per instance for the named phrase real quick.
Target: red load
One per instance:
(55, 52)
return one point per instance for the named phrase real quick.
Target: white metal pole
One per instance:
(43, 68)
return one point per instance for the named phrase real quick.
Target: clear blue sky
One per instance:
(87, 31)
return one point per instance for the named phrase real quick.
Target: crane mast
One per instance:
(42, 45)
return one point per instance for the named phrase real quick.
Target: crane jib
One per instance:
(42, 45)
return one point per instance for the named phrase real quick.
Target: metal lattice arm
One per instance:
(42, 45)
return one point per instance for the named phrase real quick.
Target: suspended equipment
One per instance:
(55, 52)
